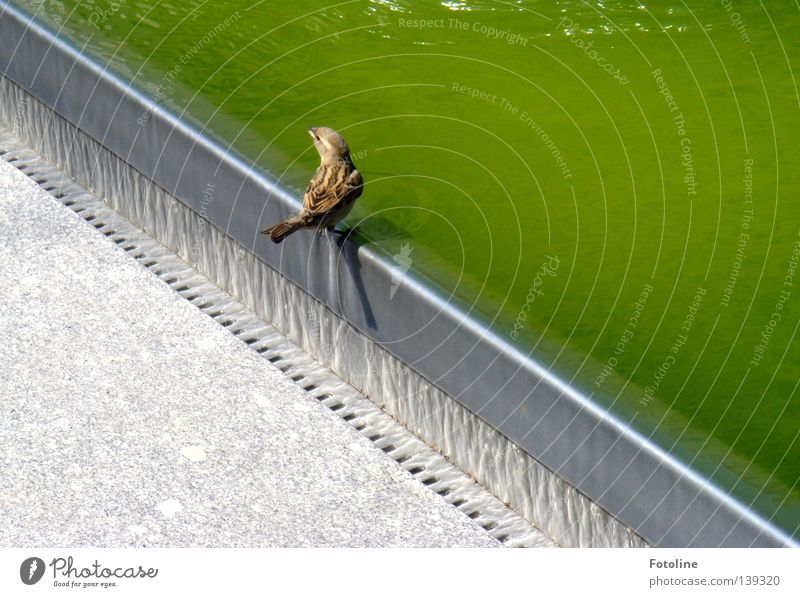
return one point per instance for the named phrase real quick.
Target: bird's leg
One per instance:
(341, 235)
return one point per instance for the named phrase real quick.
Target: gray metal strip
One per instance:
(466, 360)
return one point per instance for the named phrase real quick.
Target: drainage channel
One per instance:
(418, 458)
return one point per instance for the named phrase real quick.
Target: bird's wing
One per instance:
(329, 187)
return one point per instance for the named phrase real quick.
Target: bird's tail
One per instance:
(280, 231)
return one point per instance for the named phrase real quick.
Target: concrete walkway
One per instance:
(129, 418)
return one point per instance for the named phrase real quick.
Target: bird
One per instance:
(333, 189)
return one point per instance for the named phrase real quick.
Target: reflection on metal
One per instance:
(334, 303)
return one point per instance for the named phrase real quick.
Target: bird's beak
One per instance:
(313, 132)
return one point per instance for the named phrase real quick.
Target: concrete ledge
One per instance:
(363, 338)
(130, 418)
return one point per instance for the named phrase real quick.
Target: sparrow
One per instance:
(332, 191)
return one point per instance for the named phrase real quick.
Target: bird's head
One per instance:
(330, 144)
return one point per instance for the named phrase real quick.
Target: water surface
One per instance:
(613, 186)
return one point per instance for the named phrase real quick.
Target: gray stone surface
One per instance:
(129, 418)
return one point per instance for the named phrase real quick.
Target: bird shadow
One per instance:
(349, 241)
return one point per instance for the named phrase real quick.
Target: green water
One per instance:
(551, 165)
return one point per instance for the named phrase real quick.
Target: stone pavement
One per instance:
(129, 418)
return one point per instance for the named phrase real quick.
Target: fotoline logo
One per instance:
(31, 571)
